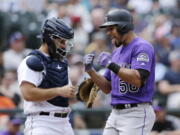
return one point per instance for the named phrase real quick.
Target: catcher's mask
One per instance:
(58, 37)
(121, 18)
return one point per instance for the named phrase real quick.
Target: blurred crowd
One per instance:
(157, 21)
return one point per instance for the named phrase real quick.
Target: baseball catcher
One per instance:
(87, 92)
(43, 81)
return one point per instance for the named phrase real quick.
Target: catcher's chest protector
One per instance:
(56, 75)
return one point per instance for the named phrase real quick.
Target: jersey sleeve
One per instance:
(29, 75)
(143, 57)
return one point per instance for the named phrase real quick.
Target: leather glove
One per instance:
(87, 92)
(88, 61)
(104, 59)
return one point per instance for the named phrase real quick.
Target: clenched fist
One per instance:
(104, 59)
(88, 61)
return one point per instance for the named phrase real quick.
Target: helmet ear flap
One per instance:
(122, 29)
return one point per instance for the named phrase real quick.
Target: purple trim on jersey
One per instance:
(144, 121)
(139, 54)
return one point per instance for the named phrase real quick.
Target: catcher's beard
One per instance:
(56, 53)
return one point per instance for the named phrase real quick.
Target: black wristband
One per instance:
(114, 67)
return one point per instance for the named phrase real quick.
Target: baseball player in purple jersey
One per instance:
(129, 77)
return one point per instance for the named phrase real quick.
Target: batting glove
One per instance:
(104, 59)
(88, 61)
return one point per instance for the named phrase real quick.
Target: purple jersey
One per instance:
(139, 54)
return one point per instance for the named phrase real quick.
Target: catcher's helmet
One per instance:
(56, 28)
(121, 18)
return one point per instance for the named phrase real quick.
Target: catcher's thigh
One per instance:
(47, 125)
(133, 121)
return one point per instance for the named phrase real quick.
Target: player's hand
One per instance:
(88, 61)
(104, 59)
(67, 91)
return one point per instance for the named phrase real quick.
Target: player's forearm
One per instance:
(167, 88)
(100, 81)
(31, 93)
(171, 89)
(175, 132)
(130, 76)
(175, 87)
(40, 94)
(170, 132)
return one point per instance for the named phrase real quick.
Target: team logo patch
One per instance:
(58, 67)
(143, 57)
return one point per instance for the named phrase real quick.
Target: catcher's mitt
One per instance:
(87, 92)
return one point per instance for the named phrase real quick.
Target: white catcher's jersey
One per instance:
(28, 75)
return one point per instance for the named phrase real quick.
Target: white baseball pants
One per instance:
(47, 125)
(132, 121)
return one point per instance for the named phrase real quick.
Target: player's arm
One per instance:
(30, 76)
(165, 87)
(140, 67)
(32, 93)
(141, 63)
(101, 81)
(132, 76)
(136, 77)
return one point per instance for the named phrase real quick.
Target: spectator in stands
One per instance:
(98, 43)
(160, 71)
(97, 18)
(167, 5)
(58, 8)
(17, 51)
(80, 125)
(162, 42)
(141, 6)
(5, 103)
(165, 124)
(1, 65)
(163, 48)
(77, 69)
(81, 37)
(32, 6)
(77, 75)
(75, 8)
(175, 33)
(139, 22)
(120, 3)
(9, 87)
(171, 82)
(13, 127)
(175, 11)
